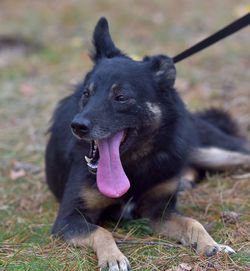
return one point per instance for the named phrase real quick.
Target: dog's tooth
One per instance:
(93, 166)
(87, 159)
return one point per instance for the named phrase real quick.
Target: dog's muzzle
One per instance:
(80, 127)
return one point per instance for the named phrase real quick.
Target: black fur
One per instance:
(216, 128)
(220, 119)
(169, 132)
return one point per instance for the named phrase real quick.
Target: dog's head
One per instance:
(123, 102)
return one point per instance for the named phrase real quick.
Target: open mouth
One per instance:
(104, 160)
(93, 158)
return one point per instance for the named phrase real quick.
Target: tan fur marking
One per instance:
(142, 152)
(104, 245)
(97, 239)
(190, 175)
(188, 231)
(152, 196)
(219, 159)
(163, 189)
(94, 199)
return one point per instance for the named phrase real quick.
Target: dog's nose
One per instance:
(80, 127)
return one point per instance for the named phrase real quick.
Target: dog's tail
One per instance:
(221, 144)
(221, 120)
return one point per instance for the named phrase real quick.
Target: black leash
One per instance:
(221, 34)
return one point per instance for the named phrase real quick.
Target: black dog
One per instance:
(137, 138)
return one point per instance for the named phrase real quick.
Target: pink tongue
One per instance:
(111, 178)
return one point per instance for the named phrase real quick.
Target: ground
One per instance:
(36, 74)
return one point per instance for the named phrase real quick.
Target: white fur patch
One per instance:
(215, 158)
(226, 249)
(156, 110)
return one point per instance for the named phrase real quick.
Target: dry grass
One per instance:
(31, 84)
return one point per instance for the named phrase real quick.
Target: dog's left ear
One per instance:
(103, 44)
(164, 71)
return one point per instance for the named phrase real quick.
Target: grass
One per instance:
(31, 85)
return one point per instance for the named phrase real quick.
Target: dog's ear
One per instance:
(102, 42)
(164, 71)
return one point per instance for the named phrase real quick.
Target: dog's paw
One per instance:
(211, 250)
(114, 262)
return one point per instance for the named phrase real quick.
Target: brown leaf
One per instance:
(185, 267)
(14, 175)
(181, 267)
(26, 90)
(17, 166)
(230, 217)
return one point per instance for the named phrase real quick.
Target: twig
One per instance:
(147, 243)
(122, 214)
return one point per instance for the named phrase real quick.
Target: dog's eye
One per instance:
(86, 93)
(121, 98)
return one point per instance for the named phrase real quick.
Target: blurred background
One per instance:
(44, 53)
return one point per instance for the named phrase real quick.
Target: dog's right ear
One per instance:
(164, 71)
(102, 42)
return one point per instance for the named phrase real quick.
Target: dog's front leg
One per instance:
(75, 229)
(103, 243)
(190, 233)
(77, 218)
